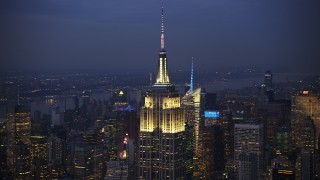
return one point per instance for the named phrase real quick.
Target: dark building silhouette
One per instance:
(269, 85)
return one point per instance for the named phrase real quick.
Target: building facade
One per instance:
(248, 138)
(19, 142)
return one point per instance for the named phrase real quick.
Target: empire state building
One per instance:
(162, 127)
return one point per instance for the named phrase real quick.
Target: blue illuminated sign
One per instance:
(211, 114)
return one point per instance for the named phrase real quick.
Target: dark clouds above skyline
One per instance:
(125, 34)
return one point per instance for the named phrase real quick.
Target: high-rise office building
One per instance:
(192, 103)
(248, 166)
(212, 138)
(268, 86)
(117, 170)
(3, 147)
(304, 105)
(162, 127)
(307, 132)
(39, 150)
(56, 117)
(93, 139)
(283, 140)
(248, 138)
(87, 157)
(112, 127)
(81, 160)
(19, 142)
(207, 139)
(227, 125)
(56, 156)
(204, 152)
(305, 165)
(268, 80)
(191, 106)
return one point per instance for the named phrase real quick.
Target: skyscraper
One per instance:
(268, 85)
(193, 106)
(19, 132)
(212, 137)
(268, 80)
(248, 138)
(39, 150)
(162, 127)
(305, 165)
(305, 105)
(248, 166)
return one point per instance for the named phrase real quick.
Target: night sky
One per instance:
(124, 35)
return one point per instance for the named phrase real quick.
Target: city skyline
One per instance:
(92, 125)
(120, 36)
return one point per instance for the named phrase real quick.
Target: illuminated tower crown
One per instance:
(163, 76)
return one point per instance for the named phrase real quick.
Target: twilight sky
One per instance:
(124, 35)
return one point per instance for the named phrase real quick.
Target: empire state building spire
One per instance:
(163, 76)
(162, 31)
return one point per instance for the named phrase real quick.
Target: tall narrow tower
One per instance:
(191, 77)
(163, 76)
(162, 127)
